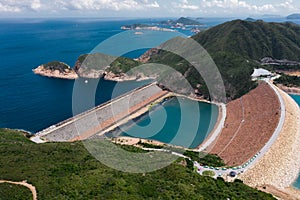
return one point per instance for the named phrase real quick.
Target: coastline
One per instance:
(290, 90)
(216, 130)
(279, 167)
(124, 77)
(71, 75)
(134, 140)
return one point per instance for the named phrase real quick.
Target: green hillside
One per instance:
(235, 71)
(10, 191)
(67, 171)
(236, 47)
(254, 40)
(56, 65)
(99, 61)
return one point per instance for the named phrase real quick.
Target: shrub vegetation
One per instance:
(67, 171)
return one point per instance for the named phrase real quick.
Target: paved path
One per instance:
(25, 184)
(217, 130)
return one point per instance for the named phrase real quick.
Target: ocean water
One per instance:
(32, 102)
(177, 121)
(297, 99)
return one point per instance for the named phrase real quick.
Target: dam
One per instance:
(104, 117)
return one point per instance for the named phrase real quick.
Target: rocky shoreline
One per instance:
(66, 74)
(290, 90)
(124, 77)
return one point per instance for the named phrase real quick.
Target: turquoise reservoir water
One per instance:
(297, 99)
(177, 121)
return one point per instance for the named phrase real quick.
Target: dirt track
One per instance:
(251, 121)
(25, 184)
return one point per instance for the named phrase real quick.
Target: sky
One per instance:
(146, 8)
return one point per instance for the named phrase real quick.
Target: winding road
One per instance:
(25, 184)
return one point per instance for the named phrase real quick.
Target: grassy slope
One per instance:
(67, 171)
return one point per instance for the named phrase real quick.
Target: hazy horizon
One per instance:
(146, 8)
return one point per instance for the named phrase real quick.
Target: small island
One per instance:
(56, 69)
(168, 25)
(145, 27)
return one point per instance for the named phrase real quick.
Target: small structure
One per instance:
(261, 73)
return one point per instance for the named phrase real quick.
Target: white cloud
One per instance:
(36, 5)
(109, 5)
(185, 5)
(235, 5)
(8, 8)
(152, 5)
(86, 5)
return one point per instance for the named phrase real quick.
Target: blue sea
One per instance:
(32, 102)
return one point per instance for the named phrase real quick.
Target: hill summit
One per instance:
(254, 40)
(237, 47)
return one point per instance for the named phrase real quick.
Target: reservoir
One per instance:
(177, 121)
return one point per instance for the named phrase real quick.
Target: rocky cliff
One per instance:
(56, 69)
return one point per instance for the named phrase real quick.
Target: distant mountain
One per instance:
(271, 16)
(187, 21)
(182, 20)
(293, 16)
(249, 19)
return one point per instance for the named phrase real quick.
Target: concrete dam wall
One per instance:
(97, 120)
